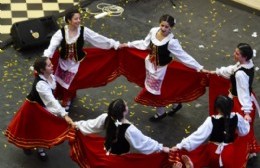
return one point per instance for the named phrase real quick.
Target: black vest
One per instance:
(250, 72)
(218, 131)
(77, 47)
(162, 54)
(121, 146)
(34, 95)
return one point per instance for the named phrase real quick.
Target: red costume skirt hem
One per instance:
(88, 151)
(33, 126)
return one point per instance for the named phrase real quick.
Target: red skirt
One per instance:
(233, 155)
(180, 84)
(33, 126)
(220, 86)
(88, 152)
(217, 86)
(99, 67)
(254, 146)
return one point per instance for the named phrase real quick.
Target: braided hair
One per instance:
(224, 105)
(116, 111)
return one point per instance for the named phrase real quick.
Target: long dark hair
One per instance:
(70, 13)
(167, 18)
(116, 111)
(245, 50)
(40, 64)
(224, 104)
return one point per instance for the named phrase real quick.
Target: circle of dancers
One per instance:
(225, 139)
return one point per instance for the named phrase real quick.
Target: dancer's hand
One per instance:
(123, 45)
(248, 118)
(212, 72)
(69, 121)
(204, 71)
(177, 165)
(73, 125)
(174, 149)
(166, 149)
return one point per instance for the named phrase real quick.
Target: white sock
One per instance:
(160, 110)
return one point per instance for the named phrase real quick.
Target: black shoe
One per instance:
(156, 117)
(27, 151)
(174, 110)
(42, 155)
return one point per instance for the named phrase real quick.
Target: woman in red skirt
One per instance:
(71, 39)
(41, 122)
(163, 47)
(241, 76)
(124, 144)
(223, 149)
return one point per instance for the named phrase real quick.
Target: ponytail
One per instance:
(224, 104)
(112, 125)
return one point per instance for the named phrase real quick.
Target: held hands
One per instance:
(204, 71)
(123, 45)
(166, 149)
(174, 149)
(212, 72)
(248, 118)
(69, 121)
(207, 71)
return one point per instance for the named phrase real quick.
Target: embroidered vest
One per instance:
(161, 54)
(121, 146)
(34, 95)
(250, 72)
(74, 50)
(218, 132)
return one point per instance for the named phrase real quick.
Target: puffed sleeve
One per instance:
(54, 44)
(243, 126)
(47, 97)
(243, 93)
(226, 72)
(140, 142)
(98, 40)
(141, 44)
(198, 137)
(92, 125)
(175, 48)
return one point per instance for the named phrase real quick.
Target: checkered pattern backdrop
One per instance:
(12, 11)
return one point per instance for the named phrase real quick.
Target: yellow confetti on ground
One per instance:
(106, 103)
(186, 131)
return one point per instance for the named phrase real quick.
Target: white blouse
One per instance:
(89, 35)
(134, 136)
(203, 132)
(44, 88)
(174, 47)
(242, 83)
